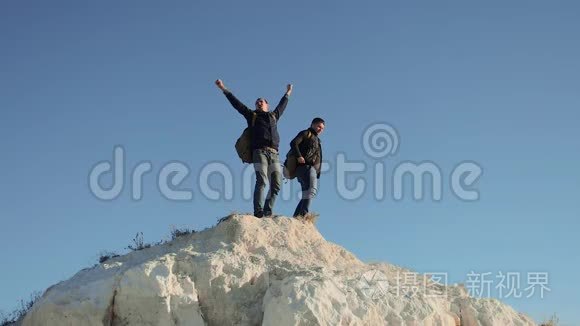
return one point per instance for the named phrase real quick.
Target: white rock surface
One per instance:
(249, 271)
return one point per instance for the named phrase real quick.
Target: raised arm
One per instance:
(239, 106)
(283, 102)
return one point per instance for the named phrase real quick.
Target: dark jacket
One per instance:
(265, 129)
(307, 145)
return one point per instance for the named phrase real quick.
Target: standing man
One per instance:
(308, 151)
(265, 141)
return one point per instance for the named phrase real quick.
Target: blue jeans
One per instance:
(268, 168)
(306, 175)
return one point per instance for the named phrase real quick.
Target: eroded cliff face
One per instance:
(249, 271)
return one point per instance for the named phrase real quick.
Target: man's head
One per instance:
(262, 104)
(318, 125)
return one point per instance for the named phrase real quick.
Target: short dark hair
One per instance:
(261, 98)
(317, 120)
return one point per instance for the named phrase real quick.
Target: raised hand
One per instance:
(289, 89)
(220, 84)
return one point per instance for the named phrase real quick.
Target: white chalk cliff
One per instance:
(249, 271)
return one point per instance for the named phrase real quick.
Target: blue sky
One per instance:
(491, 82)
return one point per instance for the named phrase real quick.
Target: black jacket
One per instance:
(265, 129)
(308, 147)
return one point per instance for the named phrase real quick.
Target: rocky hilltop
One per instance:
(249, 271)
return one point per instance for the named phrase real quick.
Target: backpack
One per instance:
(291, 163)
(244, 143)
